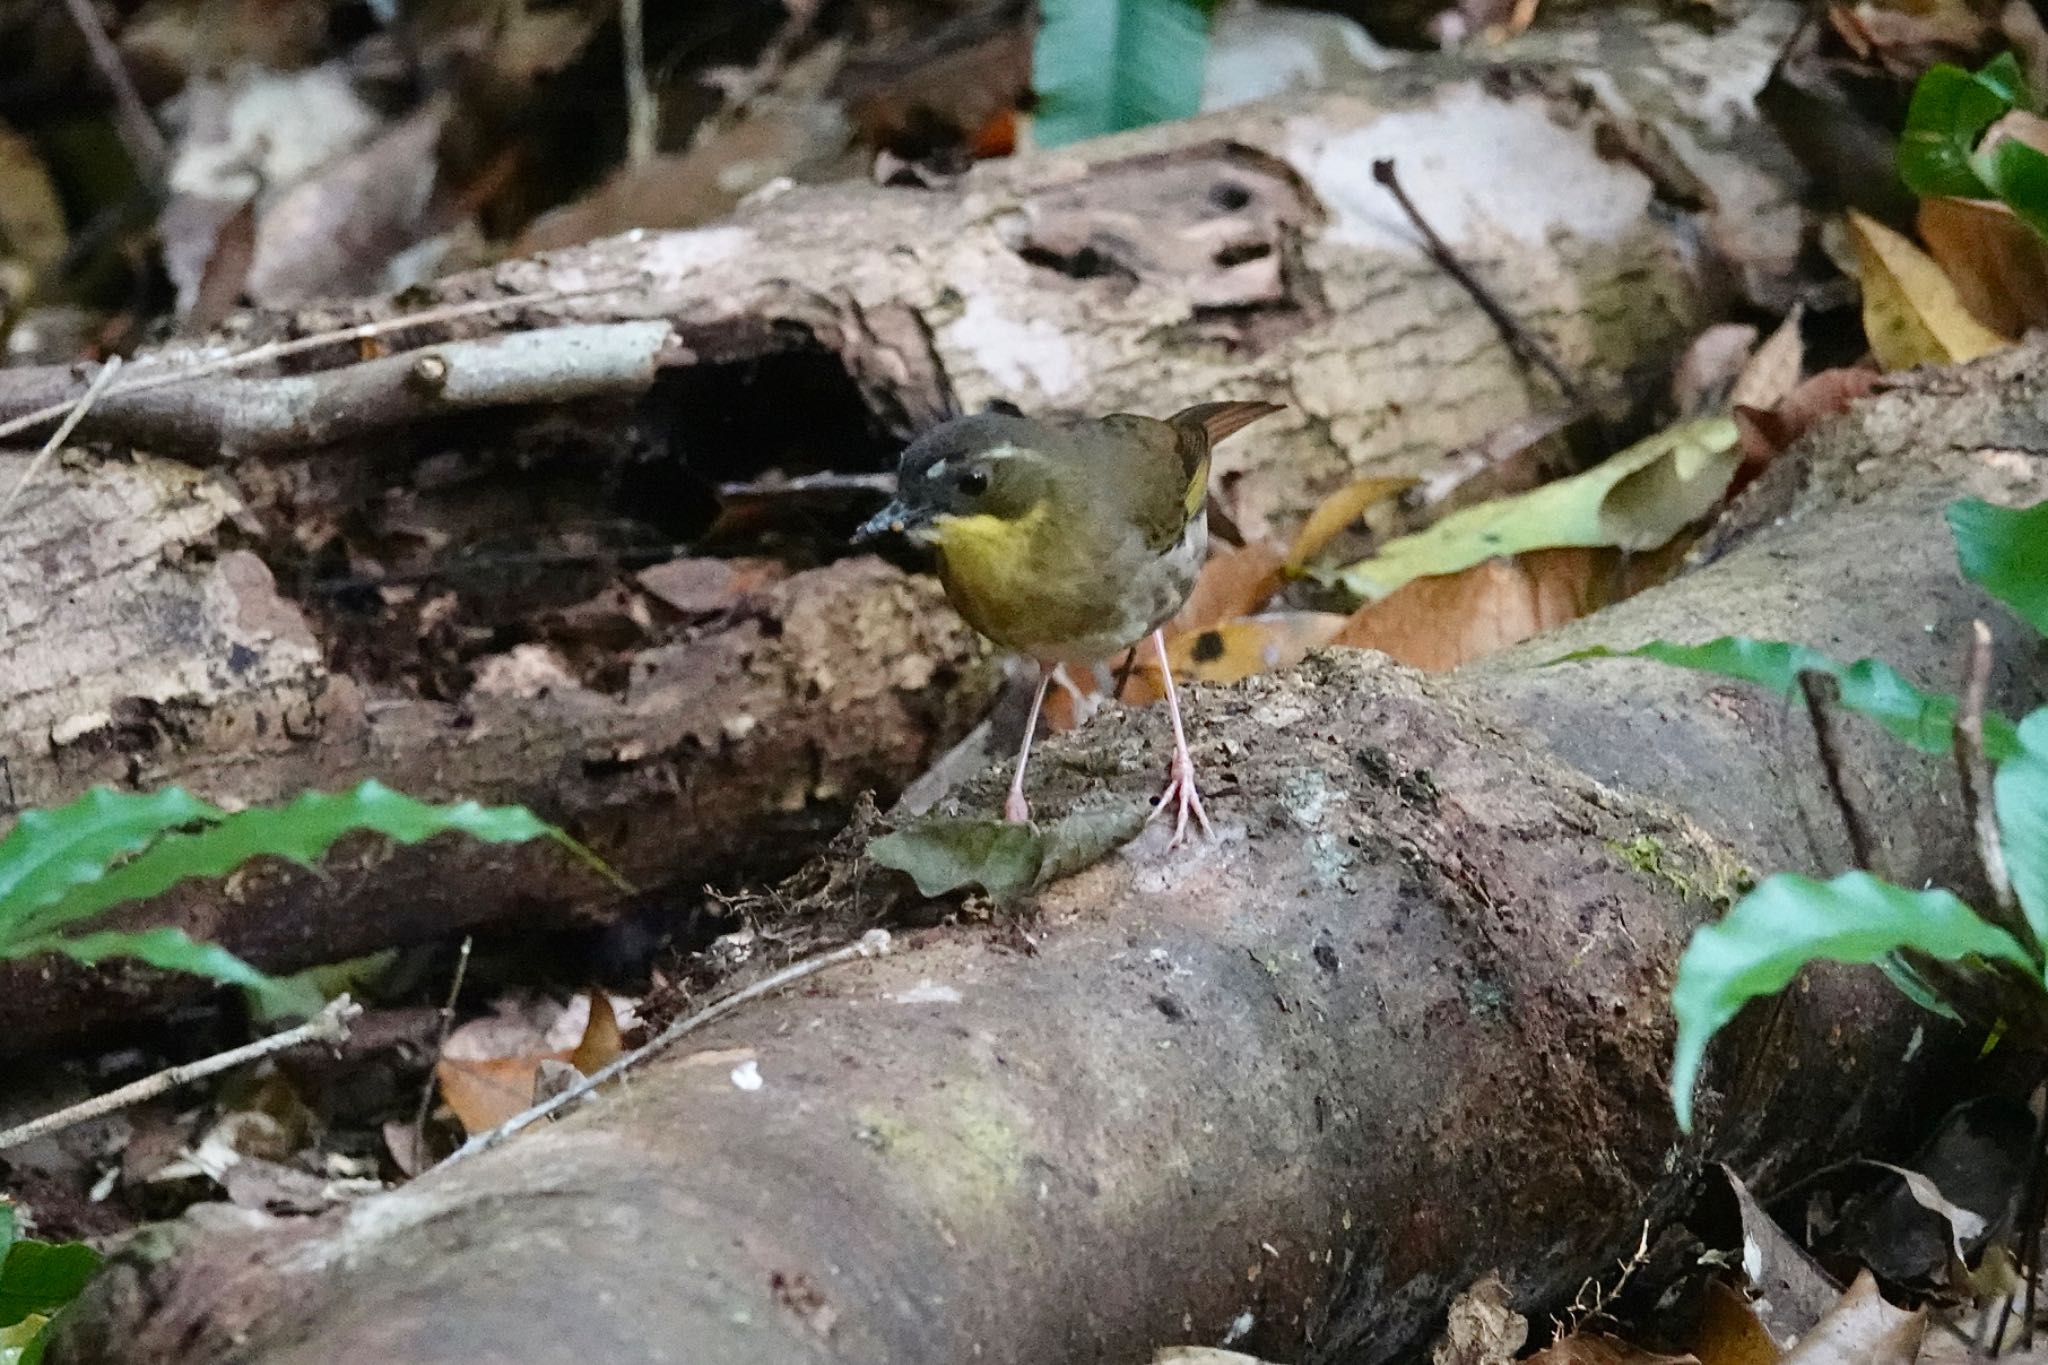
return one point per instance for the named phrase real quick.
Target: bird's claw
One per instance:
(1186, 800)
(1016, 809)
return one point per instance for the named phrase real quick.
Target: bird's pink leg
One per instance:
(1015, 807)
(1180, 784)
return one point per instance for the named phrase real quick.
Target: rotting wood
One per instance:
(164, 625)
(1405, 1024)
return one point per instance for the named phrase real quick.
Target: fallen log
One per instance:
(310, 611)
(1404, 1023)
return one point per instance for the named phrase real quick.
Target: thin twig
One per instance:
(640, 107)
(84, 404)
(874, 943)
(1518, 337)
(138, 131)
(278, 350)
(330, 1025)
(1812, 686)
(1974, 769)
(419, 1118)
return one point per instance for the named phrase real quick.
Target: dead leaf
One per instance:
(226, 276)
(1793, 1292)
(1236, 581)
(1730, 1332)
(1452, 619)
(31, 218)
(1912, 313)
(602, 1043)
(1827, 394)
(1595, 1348)
(1638, 499)
(1338, 511)
(1482, 1329)
(1997, 263)
(1234, 650)
(1705, 375)
(1862, 1329)
(1774, 368)
(488, 1067)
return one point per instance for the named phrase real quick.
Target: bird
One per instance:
(1069, 540)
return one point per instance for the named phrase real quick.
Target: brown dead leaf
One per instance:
(1338, 511)
(1763, 434)
(1730, 1333)
(31, 219)
(488, 1067)
(1442, 622)
(1774, 368)
(1235, 582)
(1862, 1329)
(1233, 650)
(1912, 313)
(1599, 1349)
(1999, 266)
(1481, 1329)
(602, 1043)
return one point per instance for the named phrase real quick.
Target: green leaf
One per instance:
(2018, 174)
(1790, 921)
(8, 1228)
(175, 951)
(2020, 796)
(42, 1277)
(2005, 552)
(300, 832)
(48, 852)
(1102, 66)
(1925, 720)
(944, 855)
(1949, 112)
(1637, 500)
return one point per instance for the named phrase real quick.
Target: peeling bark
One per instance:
(1405, 1023)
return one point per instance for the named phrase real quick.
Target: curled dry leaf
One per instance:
(1482, 1329)
(1763, 433)
(1998, 264)
(1912, 312)
(1338, 511)
(1595, 1348)
(1705, 375)
(1862, 1329)
(488, 1067)
(1730, 1332)
(1774, 368)
(1445, 621)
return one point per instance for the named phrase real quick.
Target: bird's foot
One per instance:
(1016, 809)
(1182, 796)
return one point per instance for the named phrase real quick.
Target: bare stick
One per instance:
(277, 350)
(240, 416)
(328, 1026)
(139, 133)
(640, 108)
(1974, 769)
(874, 943)
(1819, 689)
(1517, 336)
(84, 404)
(419, 1118)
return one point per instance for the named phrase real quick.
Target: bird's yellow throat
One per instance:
(995, 567)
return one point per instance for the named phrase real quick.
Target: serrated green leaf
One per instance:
(1636, 500)
(41, 1277)
(48, 852)
(176, 951)
(1925, 720)
(2020, 797)
(1790, 921)
(1950, 110)
(301, 832)
(1103, 66)
(2004, 551)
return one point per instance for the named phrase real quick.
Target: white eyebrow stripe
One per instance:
(1002, 452)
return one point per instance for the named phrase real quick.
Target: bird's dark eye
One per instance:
(973, 482)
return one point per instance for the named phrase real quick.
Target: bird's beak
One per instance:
(895, 519)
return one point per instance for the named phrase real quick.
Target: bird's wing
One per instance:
(1196, 431)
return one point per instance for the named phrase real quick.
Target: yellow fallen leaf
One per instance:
(1338, 511)
(1998, 263)
(1912, 313)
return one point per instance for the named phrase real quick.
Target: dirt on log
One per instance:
(1405, 1022)
(418, 566)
